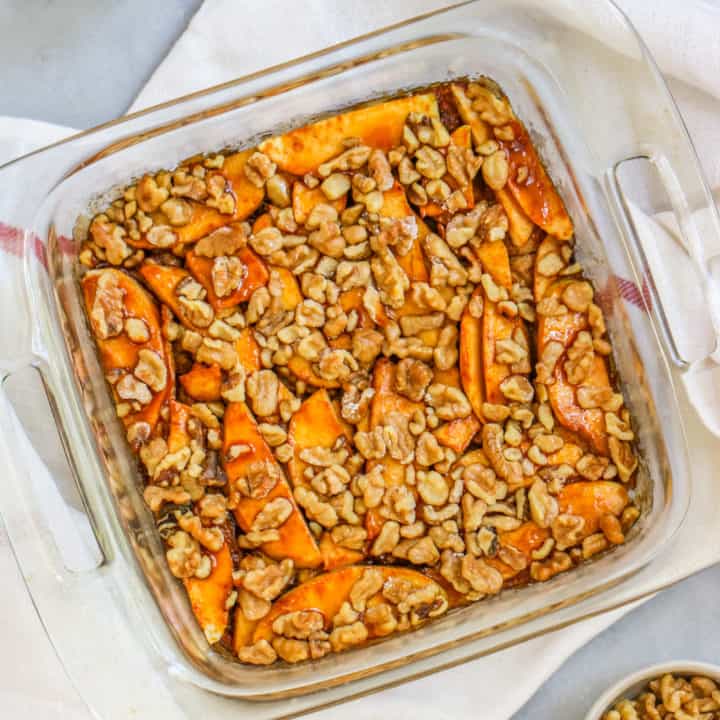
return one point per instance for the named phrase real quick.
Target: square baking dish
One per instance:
(585, 87)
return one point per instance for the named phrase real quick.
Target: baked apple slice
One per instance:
(317, 423)
(248, 351)
(496, 262)
(396, 206)
(302, 150)
(470, 360)
(248, 197)
(209, 596)
(163, 280)
(592, 501)
(560, 332)
(479, 128)
(496, 328)
(202, 383)
(520, 225)
(362, 587)
(532, 187)
(455, 434)
(460, 137)
(524, 540)
(250, 463)
(125, 322)
(385, 405)
(541, 283)
(253, 273)
(304, 200)
(589, 423)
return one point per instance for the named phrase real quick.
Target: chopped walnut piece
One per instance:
(581, 358)
(623, 457)
(423, 552)
(578, 296)
(151, 369)
(495, 170)
(224, 241)
(368, 584)
(290, 650)
(568, 530)
(543, 506)
(184, 555)
(445, 268)
(130, 388)
(449, 402)
(543, 570)
(261, 653)
(259, 479)
(347, 636)
(149, 195)
(253, 607)
(156, 496)
(272, 515)
(482, 577)
(259, 168)
(262, 389)
(412, 378)
(299, 624)
(108, 308)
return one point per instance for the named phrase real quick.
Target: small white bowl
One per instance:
(633, 685)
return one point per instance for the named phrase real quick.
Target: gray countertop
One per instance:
(81, 62)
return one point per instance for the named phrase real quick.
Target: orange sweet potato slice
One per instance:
(202, 382)
(536, 194)
(248, 351)
(301, 151)
(256, 275)
(592, 500)
(208, 597)
(304, 199)
(247, 199)
(496, 261)
(335, 556)
(315, 424)
(471, 373)
(520, 225)
(119, 352)
(327, 592)
(296, 541)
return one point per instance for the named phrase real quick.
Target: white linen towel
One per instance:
(686, 43)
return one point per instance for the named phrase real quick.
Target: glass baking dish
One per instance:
(584, 84)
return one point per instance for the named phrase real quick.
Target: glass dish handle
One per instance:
(17, 248)
(77, 609)
(698, 227)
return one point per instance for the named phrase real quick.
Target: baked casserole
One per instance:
(364, 376)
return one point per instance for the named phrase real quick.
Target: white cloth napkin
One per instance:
(686, 44)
